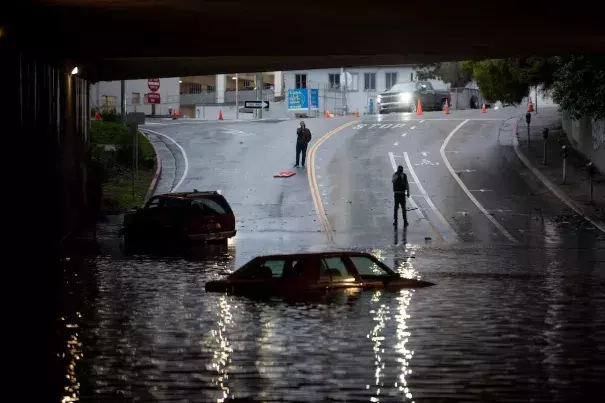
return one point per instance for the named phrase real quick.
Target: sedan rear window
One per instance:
(367, 267)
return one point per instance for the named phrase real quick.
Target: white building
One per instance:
(366, 83)
(106, 95)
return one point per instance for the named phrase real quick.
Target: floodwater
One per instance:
(503, 323)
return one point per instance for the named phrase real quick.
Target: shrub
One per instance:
(111, 133)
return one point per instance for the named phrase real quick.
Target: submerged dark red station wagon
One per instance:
(186, 216)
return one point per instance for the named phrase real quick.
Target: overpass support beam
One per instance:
(221, 87)
(278, 82)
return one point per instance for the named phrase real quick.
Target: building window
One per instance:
(301, 80)
(108, 101)
(412, 76)
(369, 82)
(334, 80)
(247, 83)
(391, 80)
(136, 98)
(211, 88)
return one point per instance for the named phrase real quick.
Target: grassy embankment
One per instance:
(112, 152)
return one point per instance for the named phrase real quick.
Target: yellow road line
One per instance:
(319, 206)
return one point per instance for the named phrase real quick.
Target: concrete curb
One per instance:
(551, 186)
(156, 177)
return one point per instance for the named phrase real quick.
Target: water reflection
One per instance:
(72, 357)
(403, 334)
(380, 315)
(221, 358)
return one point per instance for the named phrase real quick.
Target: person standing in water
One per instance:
(401, 190)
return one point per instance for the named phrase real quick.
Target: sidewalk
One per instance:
(576, 191)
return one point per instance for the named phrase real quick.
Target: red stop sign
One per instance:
(153, 84)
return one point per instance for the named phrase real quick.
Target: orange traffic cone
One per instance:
(530, 106)
(419, 109)
(483, 109)
(97, 116)
(327, 114)
(446, 109)
(356, 113)
(220, 115)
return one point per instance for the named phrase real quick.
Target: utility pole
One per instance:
(123, 101)
(236, 97)
(259, 92)
(536, 100)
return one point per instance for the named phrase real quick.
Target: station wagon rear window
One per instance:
(207, 206)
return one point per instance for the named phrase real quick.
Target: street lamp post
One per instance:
(236, 97)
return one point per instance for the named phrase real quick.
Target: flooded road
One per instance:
(507, 321)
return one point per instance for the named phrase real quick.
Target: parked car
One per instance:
(404, 97)
(180, 217)
(312, 272)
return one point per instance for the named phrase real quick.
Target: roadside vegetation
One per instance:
(112, 158)
(575, 82)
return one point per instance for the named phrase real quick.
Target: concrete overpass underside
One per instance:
(123, 39)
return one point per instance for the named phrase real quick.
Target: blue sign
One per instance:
(298, 99)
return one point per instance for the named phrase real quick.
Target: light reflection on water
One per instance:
(506, 324)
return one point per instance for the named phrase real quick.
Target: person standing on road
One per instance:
(401, 189)
(303, 137)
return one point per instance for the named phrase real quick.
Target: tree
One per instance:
(448, 72)
(499, 80)
(579, 85)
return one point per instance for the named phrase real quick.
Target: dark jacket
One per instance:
(400, 183)
(303, 135)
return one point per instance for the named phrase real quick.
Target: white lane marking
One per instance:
(424, 153)
(499, 210)
(184, 157)
(374, 124)
(396, 143)
(156, 124)
(411, 198)
(465, 170)
(412, 128)
(399, 125)
(453, 152)
(359, 126)
(480, 190)
(465, 189)
(386, 126)
(404, 134)
(424, 161)
(426, 196)
(422, 121)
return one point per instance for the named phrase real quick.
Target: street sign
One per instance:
(153, 98)
(153, 84)
(256, 104)
(297, 99)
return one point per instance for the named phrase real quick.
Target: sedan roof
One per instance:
(315, 254)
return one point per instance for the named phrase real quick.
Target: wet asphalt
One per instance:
(517, 313)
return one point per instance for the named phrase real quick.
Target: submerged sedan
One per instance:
(288, 274)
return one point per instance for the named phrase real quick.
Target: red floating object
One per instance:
(284, 174)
